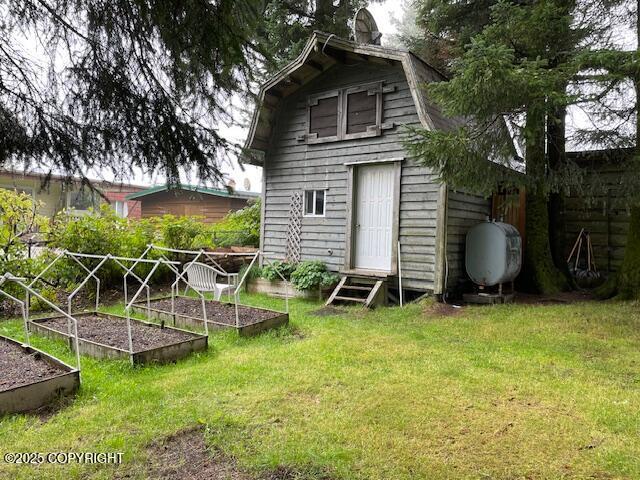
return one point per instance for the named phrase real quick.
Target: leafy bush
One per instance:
(310, 275)
(18, 217)
(240, 228)
(100, 233)
(271, 270)
(181, 233)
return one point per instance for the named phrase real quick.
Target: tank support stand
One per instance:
(489, 295)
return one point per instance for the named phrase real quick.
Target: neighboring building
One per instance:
(210, 203)
(62, 193)
(329, 131)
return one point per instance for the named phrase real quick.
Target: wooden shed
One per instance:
(210, 203)
(339, 185)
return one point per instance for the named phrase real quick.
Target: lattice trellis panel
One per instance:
(294, 228)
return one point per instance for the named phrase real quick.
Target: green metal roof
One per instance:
(218, 192)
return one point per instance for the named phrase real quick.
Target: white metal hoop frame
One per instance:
(180, 276)
(8, 277)
(91, 274)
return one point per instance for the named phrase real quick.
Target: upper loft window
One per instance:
(323, 117)
(353, 112)
(363, 114)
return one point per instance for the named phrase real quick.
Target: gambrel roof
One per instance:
(321, 52)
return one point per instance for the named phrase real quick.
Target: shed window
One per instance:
(344, 114)
(314, 203)
(361, 112)
(323, 117)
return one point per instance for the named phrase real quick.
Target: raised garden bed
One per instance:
(188, 313)
(277, 288)
(31, 379)
(102, 335)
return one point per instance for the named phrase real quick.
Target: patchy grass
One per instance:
(491, 392)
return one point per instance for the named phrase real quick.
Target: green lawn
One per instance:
(494, 392)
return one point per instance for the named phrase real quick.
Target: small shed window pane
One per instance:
(319, 202)
(314, 203)
(361, 111)
(323, 117)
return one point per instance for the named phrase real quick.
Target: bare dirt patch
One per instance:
(20, 368)
(438, 309)
(185, 456)
(556, 299)
(112, 331)
(217, 312)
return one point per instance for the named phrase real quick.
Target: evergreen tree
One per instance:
(617, 70)
(123, 83)
(515, 69)
(289, 23)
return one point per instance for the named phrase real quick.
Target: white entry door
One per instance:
(373, 222)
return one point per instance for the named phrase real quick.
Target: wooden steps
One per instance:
(359, 289)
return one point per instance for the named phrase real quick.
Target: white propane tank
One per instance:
(493, 253)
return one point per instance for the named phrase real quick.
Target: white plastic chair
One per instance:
(204, 278)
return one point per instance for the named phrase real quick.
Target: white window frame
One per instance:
(125, 208)
(324, 203)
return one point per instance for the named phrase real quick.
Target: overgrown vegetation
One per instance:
(307, 275)
(501, 392)
(312, 275)
(240, 228)
(102, 233)
(18, 219)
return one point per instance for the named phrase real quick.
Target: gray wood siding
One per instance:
(464, 210)
(291, 165)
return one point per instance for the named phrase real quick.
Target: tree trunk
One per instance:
(539, 275)
(556, 141)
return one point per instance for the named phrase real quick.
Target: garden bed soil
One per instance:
(112, 331)
(31, 379)
(217, 312)
(188, 313)
(19, 367)
(104, 335)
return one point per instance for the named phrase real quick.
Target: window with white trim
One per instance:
(315, 202)
(121, 208)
